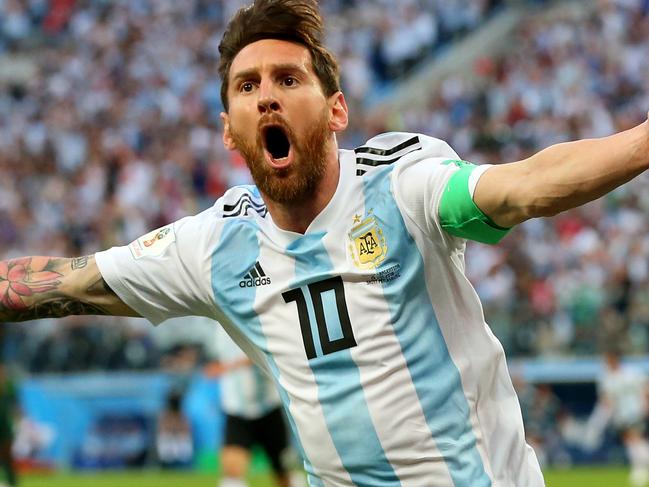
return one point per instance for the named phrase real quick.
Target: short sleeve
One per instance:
(165, 273)
(437, 194)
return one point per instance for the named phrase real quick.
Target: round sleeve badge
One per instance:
(154, 243)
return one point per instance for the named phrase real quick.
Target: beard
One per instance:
(297, 182)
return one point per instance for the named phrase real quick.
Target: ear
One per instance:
(228, 141)
(338, 112)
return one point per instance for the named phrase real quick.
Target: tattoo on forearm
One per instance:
(22, 279)
(79, 262)
(30, 288)
(56, 308)
(101, 286)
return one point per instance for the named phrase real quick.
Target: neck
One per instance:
(296, 217)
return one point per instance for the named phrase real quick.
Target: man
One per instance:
(253, 416)
(7, 408)
(341, 272)
(174, 442)
(622, 391)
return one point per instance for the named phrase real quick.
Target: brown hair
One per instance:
(291, 20)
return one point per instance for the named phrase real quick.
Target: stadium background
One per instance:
(109, 128)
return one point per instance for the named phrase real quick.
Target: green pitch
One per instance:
(588, 477)
(584, 477)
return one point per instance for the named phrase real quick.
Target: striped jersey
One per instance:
(246, 390)
(372, 333)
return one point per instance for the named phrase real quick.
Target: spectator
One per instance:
(125, 96)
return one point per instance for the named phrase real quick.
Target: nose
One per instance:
(267, 102)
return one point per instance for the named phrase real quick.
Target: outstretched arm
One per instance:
(53, 287)
(562, 176)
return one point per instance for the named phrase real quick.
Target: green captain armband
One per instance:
(460, 216)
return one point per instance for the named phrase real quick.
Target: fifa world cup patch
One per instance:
(154, 243)
(367, 244)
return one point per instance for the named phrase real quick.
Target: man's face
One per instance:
(279, 119)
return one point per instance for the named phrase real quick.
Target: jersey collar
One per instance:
(331, 213)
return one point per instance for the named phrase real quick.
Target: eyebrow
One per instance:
(246, 74)
(254, 72)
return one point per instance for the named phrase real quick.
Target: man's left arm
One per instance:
(562, 176)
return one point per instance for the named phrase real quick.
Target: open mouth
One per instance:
(277, 145)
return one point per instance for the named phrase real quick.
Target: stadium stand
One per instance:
(110, 129)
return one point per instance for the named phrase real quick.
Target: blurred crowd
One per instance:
(574, 283)
(111, 129)
(117, 127)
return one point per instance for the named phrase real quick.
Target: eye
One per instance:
(247, 87)
(289, 81)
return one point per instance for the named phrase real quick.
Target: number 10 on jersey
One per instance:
(315, 292)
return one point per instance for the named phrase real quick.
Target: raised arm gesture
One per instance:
(562, 176)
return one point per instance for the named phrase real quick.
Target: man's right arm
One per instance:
(52, 287)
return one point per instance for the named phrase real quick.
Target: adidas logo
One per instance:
(255, 277)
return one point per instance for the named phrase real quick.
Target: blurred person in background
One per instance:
(542, 414)
(623, 391)
(174, 440)
(7, 408)
(254, 417)
(31, 439)
(342, 272)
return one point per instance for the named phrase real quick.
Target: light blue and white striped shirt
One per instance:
(367, 323)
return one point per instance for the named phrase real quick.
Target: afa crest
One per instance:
(367, 244)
